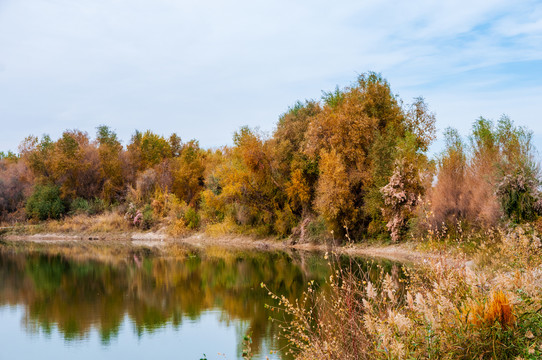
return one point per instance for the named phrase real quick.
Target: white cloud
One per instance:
(203, 68)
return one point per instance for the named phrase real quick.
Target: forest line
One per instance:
(354, 164)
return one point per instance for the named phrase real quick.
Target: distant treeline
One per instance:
(354, 163)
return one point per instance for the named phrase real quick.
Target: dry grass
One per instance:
(224, 228)
(107, 222)
(448, 311)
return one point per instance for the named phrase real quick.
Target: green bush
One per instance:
(317, 229)
(45, 203)
(148, 217)
(89, 207)
(79, 205)
(519, 196)
(191, 218)
(96, 206)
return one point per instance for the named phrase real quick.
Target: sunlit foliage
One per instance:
(354, 163)
(111, 164)
(495, 174)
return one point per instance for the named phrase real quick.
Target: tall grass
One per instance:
(107, 222)
(449, 310)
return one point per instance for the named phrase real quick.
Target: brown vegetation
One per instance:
(352, 164)
(447, 310)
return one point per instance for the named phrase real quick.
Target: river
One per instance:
(120, 302)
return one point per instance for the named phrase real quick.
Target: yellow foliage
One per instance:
(334, 199)
(178, 228)
(298, 190)
(188, 173)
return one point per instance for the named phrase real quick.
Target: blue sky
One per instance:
(204, 68)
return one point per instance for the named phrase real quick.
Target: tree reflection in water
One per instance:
(78, 288)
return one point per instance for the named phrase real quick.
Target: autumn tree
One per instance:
(249, 182)
(518, 188)
(448, 202)
(75, 166)
(360, 128)
(298, 172)
(334, 199)
(188, 173)
(111, 165)
(149, 149)
(482, 174)
(36, 154)
(16, 182)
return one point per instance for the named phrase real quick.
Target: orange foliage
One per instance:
(188, 173)
(498, 308)
(334, 199)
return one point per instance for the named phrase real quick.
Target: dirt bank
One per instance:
(398, 252)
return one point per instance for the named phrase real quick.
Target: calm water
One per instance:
(134, 304)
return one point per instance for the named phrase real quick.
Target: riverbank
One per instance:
(489, 307)
(404, 252)
(480, 303)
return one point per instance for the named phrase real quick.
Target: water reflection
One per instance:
(74, 295)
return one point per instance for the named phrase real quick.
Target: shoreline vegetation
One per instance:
(352, 167)
(485, 307)
(349, 173)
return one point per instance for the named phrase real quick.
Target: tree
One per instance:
(37, 154)
(359, 128)
(448, 202)
(149, 149)
(111, 167)
(75, 166)
(15, 184)
(334, 200)
(188, 173)
(406, 187)
(298, 173)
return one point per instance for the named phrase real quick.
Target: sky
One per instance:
(205, 68)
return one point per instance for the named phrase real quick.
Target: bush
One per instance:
(89, 207)
(148, 219)
(519, 196)
(191, 218)
(79, 206)
(45, 203)
(285, 222)
(311, 230)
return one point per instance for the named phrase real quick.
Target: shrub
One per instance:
(519, 196)
(143, 219)
(316, 229)
(45, 203)
(401, 196)
(285, 222)
(192, 218)
(496, 175)
(89, 207)
(79, 205)
(147, 217)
